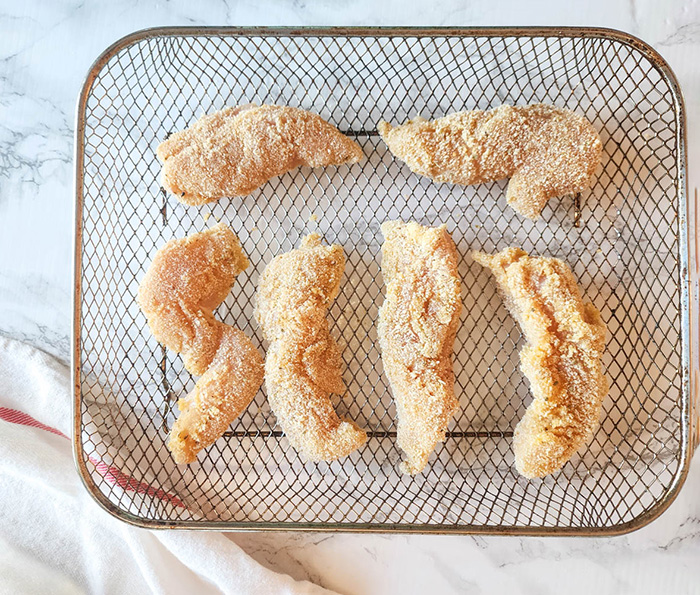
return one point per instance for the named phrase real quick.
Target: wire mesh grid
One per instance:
(623, 240)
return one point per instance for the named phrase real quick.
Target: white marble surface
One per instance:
(46, 49)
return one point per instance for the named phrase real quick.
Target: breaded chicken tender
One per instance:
(186, 281)
(303, 364)
(236, 150)
(546, 151)
(565, 342)
(418, 323)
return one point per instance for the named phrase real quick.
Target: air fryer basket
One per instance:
(626, 241)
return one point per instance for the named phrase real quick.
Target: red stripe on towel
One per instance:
(111, 474)
(23, 419)
(128, 483)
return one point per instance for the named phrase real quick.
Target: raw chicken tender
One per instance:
(546, 151)
(236, 150)
(303, 365)
(565, 342)
(187, 279)
(418, 323)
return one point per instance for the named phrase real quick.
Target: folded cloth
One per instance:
(55, 538)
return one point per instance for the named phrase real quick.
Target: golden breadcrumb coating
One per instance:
(565, 341)
(303, 365)
(236, 150)
(418, 323)
(187, 279)
(546, 151)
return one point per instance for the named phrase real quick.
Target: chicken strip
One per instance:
(418, 323)
(303, 365)
(187, 279)
(546, 151)
(236, 150)
(565, 341)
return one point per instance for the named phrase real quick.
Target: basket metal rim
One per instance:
(684, 215)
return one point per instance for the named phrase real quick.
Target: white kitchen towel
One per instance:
(55, 539)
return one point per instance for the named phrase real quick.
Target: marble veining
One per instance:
(45, 51)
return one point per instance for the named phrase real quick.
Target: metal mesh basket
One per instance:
(625, 241)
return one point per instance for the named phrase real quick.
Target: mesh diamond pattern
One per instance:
(621, 239)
